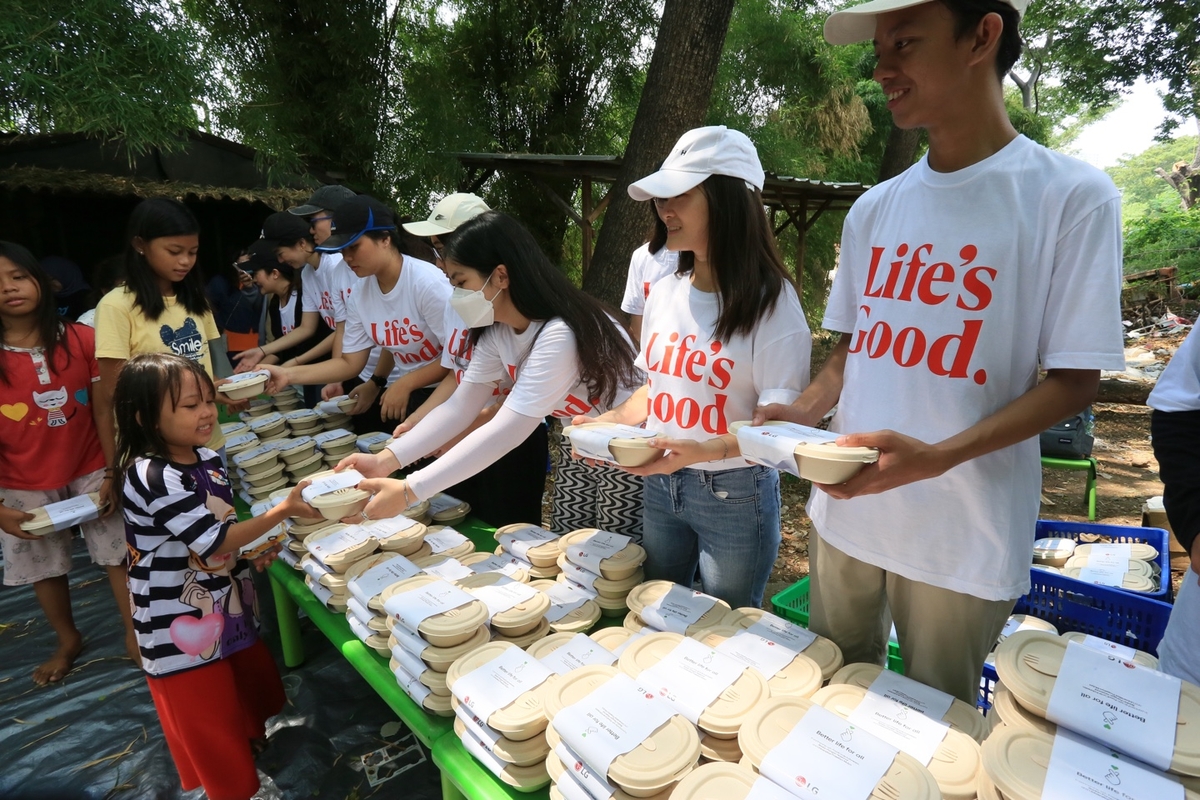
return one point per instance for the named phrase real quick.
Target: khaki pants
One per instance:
(944, 636)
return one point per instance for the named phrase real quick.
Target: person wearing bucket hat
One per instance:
(399, 304)
(989, 259)
(723, 335)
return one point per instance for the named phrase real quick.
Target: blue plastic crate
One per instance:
(1157, 538)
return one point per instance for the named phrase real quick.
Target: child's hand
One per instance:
(278, 380)
(11, 519)
(265, 560)
(294, 503)
(108, 498)
(368, 465)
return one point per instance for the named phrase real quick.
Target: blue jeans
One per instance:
(726, 522)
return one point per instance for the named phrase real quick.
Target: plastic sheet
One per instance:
(96, 735)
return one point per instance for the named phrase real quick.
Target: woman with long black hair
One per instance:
(563, 351)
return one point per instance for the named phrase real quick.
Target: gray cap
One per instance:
(326, 198)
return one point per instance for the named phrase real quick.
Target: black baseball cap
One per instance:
(355, 217)
(327, 197)
(281, 229)
(262, 256)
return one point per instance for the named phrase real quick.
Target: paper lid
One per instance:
(301, 415)
(724, 716)
(1016, 761)
(715, 749)
(955, 763)
(618, 566)
(574, 686)
(238, 383)
(439, 659)
(1132, 580)
(544, 647)
(800, 678)
(518, 620)
(984, 788)
(1139, 656)
(449, 628)
(340, 503)
(1029, 622)
(531, 752)
(604, 586)
(824, 652)
(962, 716)
(231, 428)
(1138, 551)
(831, 451)
(610, 606)
(347, 439)
(526, 639)
(454, 512)
(518, 574)
(540, 555)
(264, 455)
(362, 565)
(41, 524)
(296, 445)
(611, 638)
(341, 560)
(406, 541)
(716, 781)
(1013, 715)
(1053, 547)
(519, 720)
(303, 531)
(1078, 562)
(651, 591)
(633, 623)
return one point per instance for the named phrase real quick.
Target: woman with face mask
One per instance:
(564, 353)
(399, 304)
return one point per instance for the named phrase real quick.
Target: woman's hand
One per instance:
(395, 402)
(332, 390)
(368, 465)
(389, 500)
(279, 379)
(10, 522)
(248, 359)
(403, 428)
(364, 395)
(233, 405)
(681, 453)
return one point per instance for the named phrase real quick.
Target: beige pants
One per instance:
(944, 636)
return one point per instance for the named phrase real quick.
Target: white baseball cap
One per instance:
(857, 23)
(453, 210)
(715, 150)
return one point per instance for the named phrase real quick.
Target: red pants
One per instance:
(210, 714)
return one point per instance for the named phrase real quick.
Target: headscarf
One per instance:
(67, 273)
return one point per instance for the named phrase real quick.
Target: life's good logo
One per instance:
(680, 358)
(397, 334)
(917, 277)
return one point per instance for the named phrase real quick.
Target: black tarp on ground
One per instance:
(95, 735)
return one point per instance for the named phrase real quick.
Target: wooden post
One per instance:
(585, 226)
(801, 246)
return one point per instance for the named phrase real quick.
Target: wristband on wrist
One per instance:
(379, 381)
(724, 452)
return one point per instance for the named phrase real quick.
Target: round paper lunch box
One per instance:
(449, 628)
(1139, 656)
(471, 559)
(826, 462)
(544, 647)
(1132, 581)
(724, 750)
(555, 768)
(334, 582)
(409, 542)
(309, 429)
(716, 781)
(341, 561)
(297, 450)
(724, 716)
(418, 511)
(376, 641)
(1078, 562)
(264, 491)
(773, 720)
(955, 763)
(519, 754)
(633, 623)
(1053, 551)
(306, 467)
(260, 408)
(346, 440)
(458, 551)
(541, 573)
(301, 416)
(439, 659)
(361, 566)
(433, 681)
(618, 566)
(1010, 712)
(628, 452)
(800, 678)
(263, 477)
(453, 515)
(962, 716)
(669, 753)
(518, 620)
(336, 602)
(283, 404)
(610, 607)
(651, 591)
(261, 462)
(521, 719)
(613, 590)
(1028, 663)
(375, 448)
(578, 620)
(274, 437)
(1030, 623)
(303, 530)
(297, 546)
(335, 422)
(268, 426)
(525, 780)
(341, 503)
(231, 429)
(823, 651)
(526, 639)
(41, 524)
(611, 638)
(1138, 551)
(985, 789)
(237, 449)
(542, 555)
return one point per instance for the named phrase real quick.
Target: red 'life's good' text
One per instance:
(918, 277)
(573, 405)
(680, 357)
(401, 333)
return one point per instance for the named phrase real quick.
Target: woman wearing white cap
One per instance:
(721, 336)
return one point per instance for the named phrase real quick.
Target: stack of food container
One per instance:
(604, 563)
(303, 422)
(335, 445)
(270, 426)
(289, 399)
(335, 413)
(826, 654)
(573, 609)
(516, 611)
(400, 535)
(259, 471)
(366, 580)
(372, 442)
(535, 547)
(497, 700)
(1133, 565)
(666, 606)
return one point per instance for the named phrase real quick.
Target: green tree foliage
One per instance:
(126, 69)
(1166, 236)
(1141, 189)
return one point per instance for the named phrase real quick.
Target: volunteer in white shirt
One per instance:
(399, 304)
(722, 336)
(1175, 433)
(565, 354)
(510, 490)
(957, 278)
(649, 263)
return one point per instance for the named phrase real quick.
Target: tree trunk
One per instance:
(899, 153)
(1185, 179)
(674, 100)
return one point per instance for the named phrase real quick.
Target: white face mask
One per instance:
(475, 310)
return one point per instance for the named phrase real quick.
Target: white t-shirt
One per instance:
(645, 270)
(456, 354)
(409, 320)
(544, 370)
(699, 385)
(318, 288)
(952, 286)
(287, 313)
(339, 280)
(1178, 387)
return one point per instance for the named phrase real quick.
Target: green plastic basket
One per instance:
(792, 604)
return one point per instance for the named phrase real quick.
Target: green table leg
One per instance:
(449, 790)
(289, 624)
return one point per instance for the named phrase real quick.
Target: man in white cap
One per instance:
(990, 257)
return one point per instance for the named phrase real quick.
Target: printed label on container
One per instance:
(775, 445)
(476, 749)
(410, 641)
(580, 651)
(565, 598)
(570, 788)
(315, 568)
(379, 577)
(917, 696)
(326, 437)
(763, 789)
(488, 737)
(445, 539)
(520, 541)
(595, 786)
(238, 441)
(503, 595)
(242, 458)
(506, 565)
(241, 377)
(331, 483)
(450, 569)
(383, 528)
(1111, 555)
(342, 540)
(1104, 576)
(827, 756)
(900, 726)
(289, 558)
(611, 721)
(1112, 648)
(579, 576)
(783, 633)
(691, 677)
(1126, 706)
(412, 608)
(364, 442)
(411, 686)
(630, 639)
(597, 547)
(593, 442)
(677, 609)
(442, 502)
(1084, 770)
(358, 610)
(757, 652)
(66, 513)
(498, 683)
(359, 628)
(330, 407)
(320, 592)
(412, 664)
